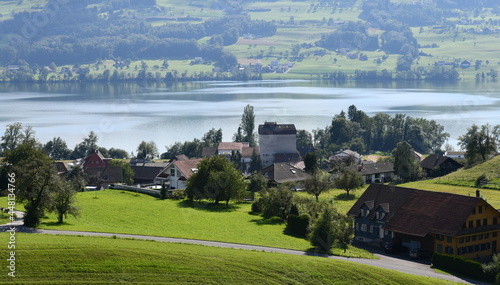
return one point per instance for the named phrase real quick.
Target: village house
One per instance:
(344, 155)
(436, 165)
(455, 154)
(277, 142)
(178, 172)
(95, 159)
(226, 149)
(279, 173)
(148, 173)
(374, 172)
(466, 226)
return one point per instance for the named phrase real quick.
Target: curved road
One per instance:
(384, 261)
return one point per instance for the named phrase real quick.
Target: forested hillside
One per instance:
(443, 40)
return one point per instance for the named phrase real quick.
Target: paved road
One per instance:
(384, 261)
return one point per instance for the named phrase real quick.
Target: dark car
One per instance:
(395, 248)
(419, 253)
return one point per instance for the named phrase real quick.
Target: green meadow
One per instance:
(48, 259)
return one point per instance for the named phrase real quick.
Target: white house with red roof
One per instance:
(179, 171)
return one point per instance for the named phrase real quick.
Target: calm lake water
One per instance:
(125, 114)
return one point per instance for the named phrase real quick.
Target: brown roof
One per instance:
(107, 173)
(418, 212)
(283, 172)
(146, 172)
(272, 128)
(248, 151)
(60, 166)
(208, 151)
(433, 161)
(186, 166)
(231, 145)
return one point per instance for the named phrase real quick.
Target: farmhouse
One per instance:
(373, 172)
(435, 165)
(460, 225)
(226, 149)
(148, 173)
(278, 173)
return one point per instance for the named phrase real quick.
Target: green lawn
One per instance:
(47, 259)
(116, 211)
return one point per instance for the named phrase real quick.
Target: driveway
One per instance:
(385, 261)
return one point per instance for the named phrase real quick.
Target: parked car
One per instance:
(419, 253)
(395, 248)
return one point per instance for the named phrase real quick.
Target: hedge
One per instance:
(466, 267)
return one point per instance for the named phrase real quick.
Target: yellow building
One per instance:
(440, 222)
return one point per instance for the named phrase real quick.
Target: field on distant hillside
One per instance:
(46, 259)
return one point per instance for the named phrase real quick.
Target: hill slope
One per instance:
(467, 177)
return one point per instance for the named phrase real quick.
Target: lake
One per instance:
(124, 114)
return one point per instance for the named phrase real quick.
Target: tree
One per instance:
(212, 138)
(255, 163)
(405, 164)
(479, 143)
(276, 201)
(36, 180)
(128, 173)
(324, 231)
(348, 180)
(15, 135)
(57, 149)
(311, 162)
(118, 153)
(163, 191)
(147, 150)
(236, 160)
(77, 178)
(64, 198)
(304, 139)
(248, 125)
(493, 268)
(258, 183)
(216, 180)
(87, 146)
(317, 183)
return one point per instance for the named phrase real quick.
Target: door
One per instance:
(381, 232)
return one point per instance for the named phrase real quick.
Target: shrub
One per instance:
(480, 180)
(257, 206)
(464, 266)
(297, 225)
(178, 194)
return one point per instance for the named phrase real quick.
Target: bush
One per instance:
(464, 266)
(257, 206)
(297, 225)
(178, 194)
(480, 180)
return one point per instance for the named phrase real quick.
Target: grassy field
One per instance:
(117, 211)
(46, 259)
(467, 177)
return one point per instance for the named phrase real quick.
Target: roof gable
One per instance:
(186, 167)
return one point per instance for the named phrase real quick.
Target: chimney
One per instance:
(478, 193)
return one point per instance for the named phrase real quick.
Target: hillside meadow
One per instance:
(48, 259)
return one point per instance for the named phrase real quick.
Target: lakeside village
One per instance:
(398, 219)
(465, 226)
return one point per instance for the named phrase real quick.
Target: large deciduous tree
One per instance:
(479, 142)
(57, 149)
(87, 146)
(405, 164)
(348, 180)
(317, 183)
(147, 150)
(217, 180)
(15, 135)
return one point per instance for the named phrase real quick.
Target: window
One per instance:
(494, 234)
(485, 222)
(172, 172)
(461, 240)
(471, 224)
(363, 227)
(449, 250)
(486, 235)
(478, 223)
(448, 239)
(467, 239)
(480, 236)
(440, 248)
(495, 220)
(473, 211)
(480, 209)
(371, 229)
(474, 237)
(357, 226)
